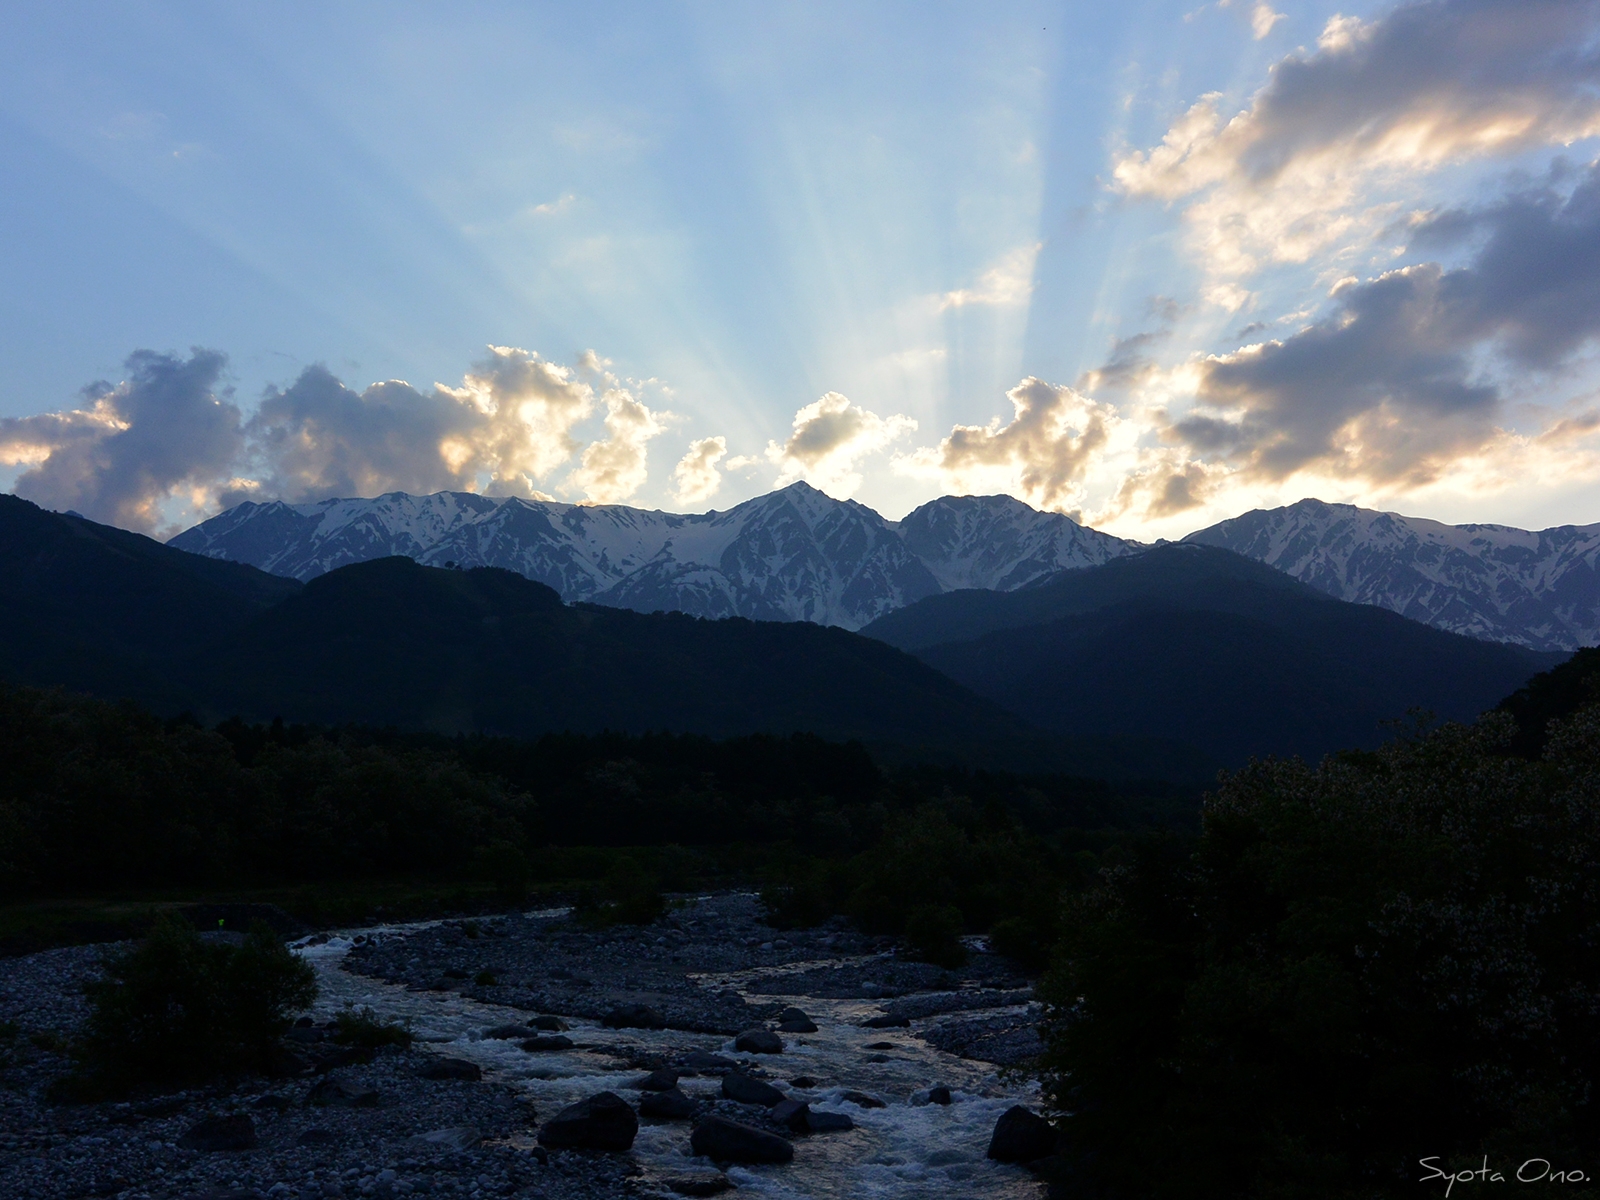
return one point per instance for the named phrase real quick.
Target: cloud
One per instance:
(1007, 284)
(1399, 379)
(1377, 104)
(614, 468)
(696, 479)
(830, 435)
(164, 430)
(1262, 19)
(1044, 454)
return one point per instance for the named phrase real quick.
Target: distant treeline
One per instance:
(97, 796)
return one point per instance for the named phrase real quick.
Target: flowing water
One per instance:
(906, 1149)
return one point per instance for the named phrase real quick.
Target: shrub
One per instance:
(177, 1008)
(365, 1028)
(934, 931)
(1388, 957)
(629, 896)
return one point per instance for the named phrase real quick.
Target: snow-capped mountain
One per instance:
(1537, 588)
(792, 555)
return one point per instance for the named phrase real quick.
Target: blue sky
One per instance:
(1152, 264)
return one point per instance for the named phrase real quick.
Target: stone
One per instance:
(700, 1060)
(880, 1046)
(886, 1022)
(550, 1041)
(736, 1085)
(863, 1100)
(828, 1122)
(698, 1183)
(670, 1105)
(602, 1122)
(452, 1068)
(793, 1020)
(456, 973)
(792, 1114)
(876, 1058)
(550, 1024)
(274, 1102)
(939, 1095)
(1021, 1135)
(722, 1140)
(508, 1033)
(803, 1081)
(758, 1041)
(456, 1138)
(316, 1137)
(334, 1092)
(659, 1080)
(237, 1132)
(633, 1016)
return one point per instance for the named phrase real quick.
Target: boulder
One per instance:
(876, 1058)
(792, 1114)
(334, 1092)
(736, 1085)
(237, 1132)
(862, 1099)
(456, 973)
(803, 1081)
(827, 1122)
(939, 1095)
(550, 1024)
(886, 1022)
(460, 1137)
(659, 1080)
(880, 1046)
(758, 1041)
(793, 1020)
(700, 1060)
(452, 1068)
(697, 1183)
(1021, 1135)
(633, 1016)
(547, 1041)
(670, 1105)
(722, 1140)
(602, 1122)
(508, 1033)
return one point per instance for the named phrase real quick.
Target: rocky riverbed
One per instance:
(893, 1064)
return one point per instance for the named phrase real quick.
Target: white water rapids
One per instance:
(904, 1150)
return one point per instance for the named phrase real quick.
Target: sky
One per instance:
(1149, 264)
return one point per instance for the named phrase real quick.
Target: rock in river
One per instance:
(738, 1086)
(670, 1105)
(334, 1092)
(602, 1122)
(1021, 1135)
(633, 1016)
(452, 1068)
(722, 1140)
(758, 1041)
(547, 1041)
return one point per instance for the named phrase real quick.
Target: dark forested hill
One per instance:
(393, 642)
(1205, 647)
(101, 609)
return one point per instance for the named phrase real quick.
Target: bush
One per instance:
(363, 1027)
(629, 896)
(1387, 957)
(934, 931)
(177, 1008)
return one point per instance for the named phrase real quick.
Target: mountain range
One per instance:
(792, 555)
(799, 555)
(1165, 663)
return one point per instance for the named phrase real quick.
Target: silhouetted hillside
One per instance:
(92, 607)
(1205, 647)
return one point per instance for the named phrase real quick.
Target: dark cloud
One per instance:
(319, 438)
(164, 429)
(1391, 384)
(1443, 75)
